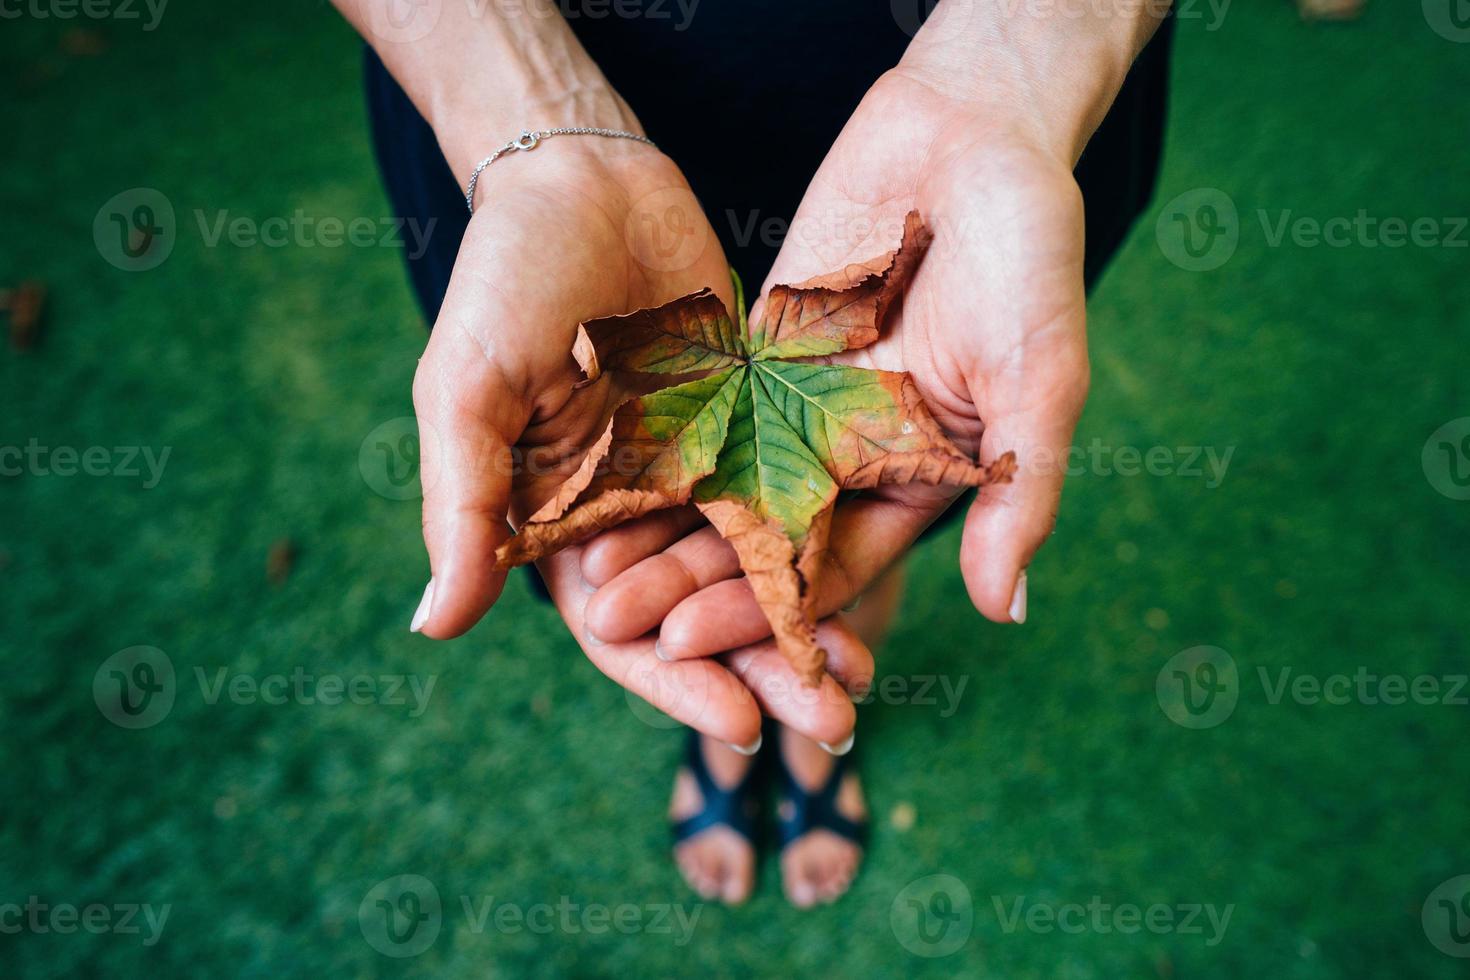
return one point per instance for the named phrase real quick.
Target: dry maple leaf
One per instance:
(760, 441)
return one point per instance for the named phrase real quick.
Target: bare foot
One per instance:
(819, 865)
(717, 862)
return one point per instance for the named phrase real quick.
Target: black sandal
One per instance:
(800, 812)
(735, 807)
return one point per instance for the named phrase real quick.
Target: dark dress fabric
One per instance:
(748, 120)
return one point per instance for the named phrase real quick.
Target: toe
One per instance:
(798, 878)
(739, 878)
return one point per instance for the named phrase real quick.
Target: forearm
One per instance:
(1049, 67)
(479, 73)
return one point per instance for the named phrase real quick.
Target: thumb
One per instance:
(1007, 524)
(469, 418)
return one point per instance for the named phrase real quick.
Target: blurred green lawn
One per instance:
(1056, 778)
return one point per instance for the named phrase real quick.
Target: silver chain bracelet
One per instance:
(529, 140)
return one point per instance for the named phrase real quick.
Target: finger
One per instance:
(619, 549)
(824, 712)
(702, 694)
(868, 534)
(1007, 524)
(637, 600)
(468, 419)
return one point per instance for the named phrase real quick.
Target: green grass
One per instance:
(528, 777)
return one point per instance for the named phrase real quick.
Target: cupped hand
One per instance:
(992, 328)
(570, 232)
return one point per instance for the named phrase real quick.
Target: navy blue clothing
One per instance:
(719, 89)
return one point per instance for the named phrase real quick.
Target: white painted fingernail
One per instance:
(841, 748)
(1018, 600)
(426, 605)
(750, 749)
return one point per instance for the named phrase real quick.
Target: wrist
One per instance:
(470, 125)
(1047, 71)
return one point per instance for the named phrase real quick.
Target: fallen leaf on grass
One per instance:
(760, 441)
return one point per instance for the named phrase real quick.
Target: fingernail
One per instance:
(421, 614)
(588, 587)
(669, 653)
(750, 749)
(857, 600)
(1018, 600)
(841, 748)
